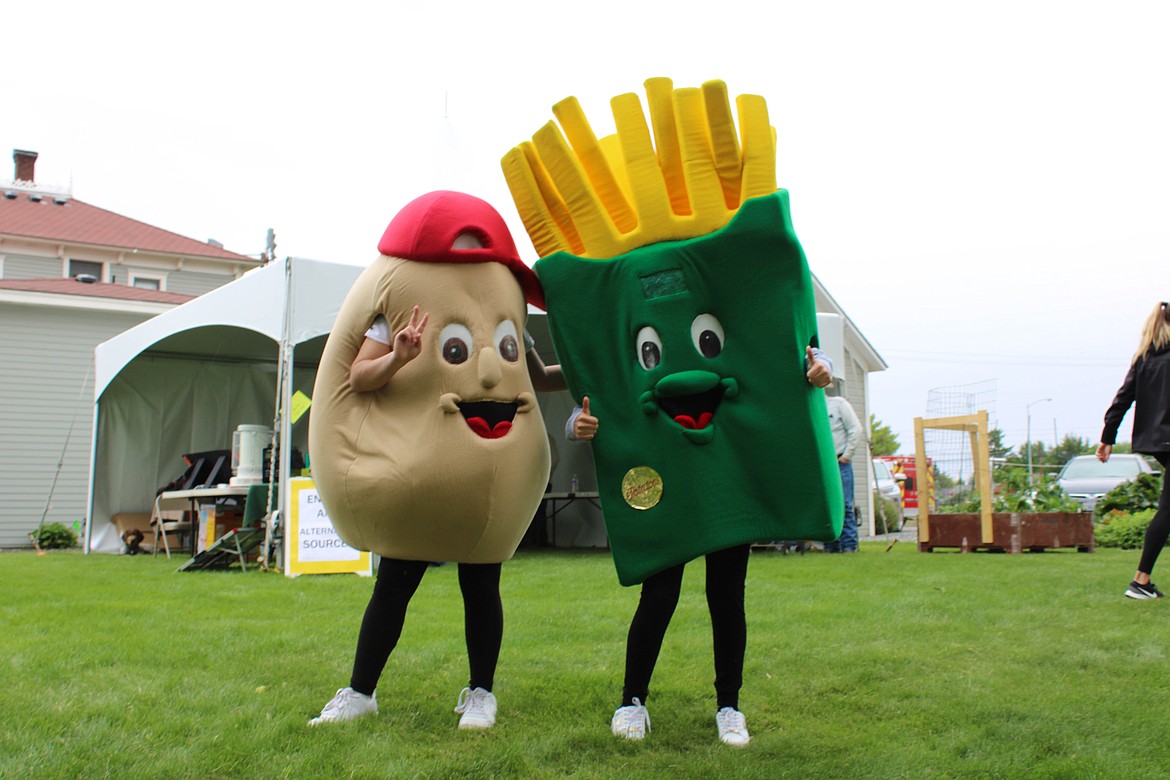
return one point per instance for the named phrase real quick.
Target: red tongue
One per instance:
(480, 426)
(686, 421)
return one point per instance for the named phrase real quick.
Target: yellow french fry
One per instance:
(553, 202)
(660, 97)
(546, 236)
(650, 196)
(703, 185)
(758, 140)
(724, 142)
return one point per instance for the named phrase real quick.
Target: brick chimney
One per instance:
(25, 164)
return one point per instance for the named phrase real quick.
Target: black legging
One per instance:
(1159, 528)
(726, 573)
(483, 620)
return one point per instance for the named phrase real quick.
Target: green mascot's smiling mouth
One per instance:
(690, 399)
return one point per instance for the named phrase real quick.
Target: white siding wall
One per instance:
(46, 385)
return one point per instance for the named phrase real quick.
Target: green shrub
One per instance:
(1124, 530)
(887, 515)
(1131, 497)
(56, 536)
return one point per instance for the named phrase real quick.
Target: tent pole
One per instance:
(286, 357)
(285, 442)
(276, 477)
(272, 457)
(93, 446)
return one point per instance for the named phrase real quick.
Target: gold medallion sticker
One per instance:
(642, 487)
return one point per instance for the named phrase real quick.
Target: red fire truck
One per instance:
(905, 471)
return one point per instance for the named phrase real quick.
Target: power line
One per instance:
(951, 356)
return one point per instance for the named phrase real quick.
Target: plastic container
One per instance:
(248, 443)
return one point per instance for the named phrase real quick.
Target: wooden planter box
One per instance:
(1012, 532)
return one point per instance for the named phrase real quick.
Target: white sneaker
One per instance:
(631, 722)
(347, 705)
(732, 727)
(478, 708)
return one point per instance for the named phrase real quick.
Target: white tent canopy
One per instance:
(184, 380)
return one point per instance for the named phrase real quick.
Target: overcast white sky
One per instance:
(982, 186)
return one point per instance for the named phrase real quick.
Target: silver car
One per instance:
(1086, 479)
(887, 493)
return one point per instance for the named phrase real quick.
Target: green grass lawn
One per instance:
(877, 665)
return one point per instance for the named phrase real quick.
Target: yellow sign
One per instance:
(311, 545)
(300, 404)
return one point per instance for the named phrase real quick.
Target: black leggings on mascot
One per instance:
(483, 620)
(726, 573)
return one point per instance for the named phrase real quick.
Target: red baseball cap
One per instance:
(426, 228)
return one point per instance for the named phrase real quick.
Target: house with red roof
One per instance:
(73, 275)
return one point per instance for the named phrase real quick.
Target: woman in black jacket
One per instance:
(1147, 386)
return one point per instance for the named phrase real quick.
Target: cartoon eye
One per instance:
(506, 341)
(456, 342)
(649, 348)
(707, 334)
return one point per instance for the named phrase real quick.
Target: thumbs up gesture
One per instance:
(585, 426)
(818, 372)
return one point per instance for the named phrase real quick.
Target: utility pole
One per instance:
(1028, 409)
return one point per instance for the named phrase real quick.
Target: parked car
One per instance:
(887, 497)
(1086, 479)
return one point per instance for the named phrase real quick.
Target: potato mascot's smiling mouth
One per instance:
(488, 419)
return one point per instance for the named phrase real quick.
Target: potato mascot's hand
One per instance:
(408, 341)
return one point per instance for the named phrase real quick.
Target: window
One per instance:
(78, 267)
(146, 283)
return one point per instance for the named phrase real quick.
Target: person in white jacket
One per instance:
(847, 434)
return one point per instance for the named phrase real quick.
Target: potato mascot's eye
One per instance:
(506, 341)
(456, 343)
(707, 335)
(649, 348)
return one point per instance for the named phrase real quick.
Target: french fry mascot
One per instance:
(681, 308)
(426, 440)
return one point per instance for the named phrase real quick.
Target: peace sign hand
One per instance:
(408, 341)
